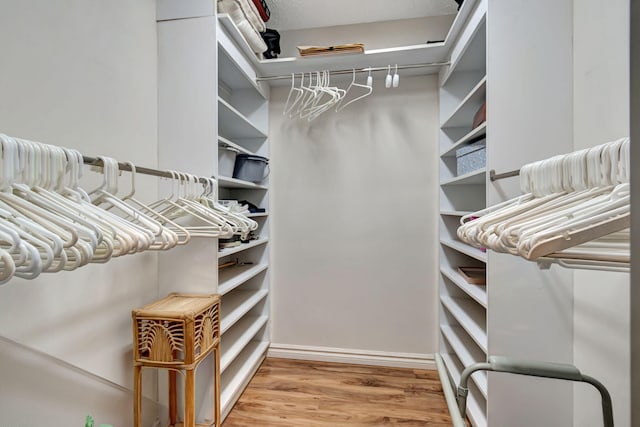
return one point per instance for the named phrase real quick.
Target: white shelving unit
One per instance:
(242, 125)
(463, 308)
(414, 54)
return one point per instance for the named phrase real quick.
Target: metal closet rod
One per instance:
(94, 161)
(493, 176)
(362, 70)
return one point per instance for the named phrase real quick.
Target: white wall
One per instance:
(529, 111)
(601, 114)
(80, 74)
(375, 35)
(354, 209)
(634, 300)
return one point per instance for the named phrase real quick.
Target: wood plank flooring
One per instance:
(287, 393)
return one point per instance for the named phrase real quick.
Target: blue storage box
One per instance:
(471, 157)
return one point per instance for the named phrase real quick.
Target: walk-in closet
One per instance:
(274, 213)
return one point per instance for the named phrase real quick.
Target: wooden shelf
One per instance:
(467, 352)
(233, 124)
(236, 304)
(239, 373)
(471, 316)
(463, 114)
(465, 249)
(477, 292)
(477, 177)
(474, 408)
(232, 277)
(237, 338)
(478, 132)
(243, 247)
(224, 141)
(228, 182)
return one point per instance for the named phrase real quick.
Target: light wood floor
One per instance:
(317, 394)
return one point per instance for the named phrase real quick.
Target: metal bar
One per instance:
(362, 70)
(493, 176)
(94, 161)
(456, 418)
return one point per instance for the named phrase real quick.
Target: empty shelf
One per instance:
(474, 177)
(455, 213)
(237, 338)
(232, 277)
(236, 304)
(471, 317)
(474, 407)
(239, 373)
(465, 249)
(467, 352)
(233, 124)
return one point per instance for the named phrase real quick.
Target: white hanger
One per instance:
(353, 84)
(297, 94)
(396, 78)
(388, 80)
(580, 196)
(182, 235)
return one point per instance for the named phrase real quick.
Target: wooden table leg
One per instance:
(190, 399)
(137, 396)
(173, 398)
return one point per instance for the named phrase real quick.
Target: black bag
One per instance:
(272, 39)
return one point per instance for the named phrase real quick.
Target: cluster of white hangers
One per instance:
(313, 99)
(575, 212)
(48, 223)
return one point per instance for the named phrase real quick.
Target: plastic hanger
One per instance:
(388, 80)
(353, 84)
(396, 78)
(295, 94)
(181, 234)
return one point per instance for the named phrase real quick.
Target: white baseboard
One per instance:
(358, 357)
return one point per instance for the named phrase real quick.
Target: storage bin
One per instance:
(471, 158)
(226, 160)
(250, 167)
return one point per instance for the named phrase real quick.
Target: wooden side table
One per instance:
(177, 333)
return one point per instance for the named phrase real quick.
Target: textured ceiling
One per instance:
(300, 14)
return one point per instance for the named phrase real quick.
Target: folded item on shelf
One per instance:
(246, 17)
(263, 9)
(272, 39)
(252, 208)
(331, 50)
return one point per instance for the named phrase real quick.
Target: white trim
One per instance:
(358, 357)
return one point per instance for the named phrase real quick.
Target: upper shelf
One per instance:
(470, 50)
(406, 55)
(233, 124)
(462, 116)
